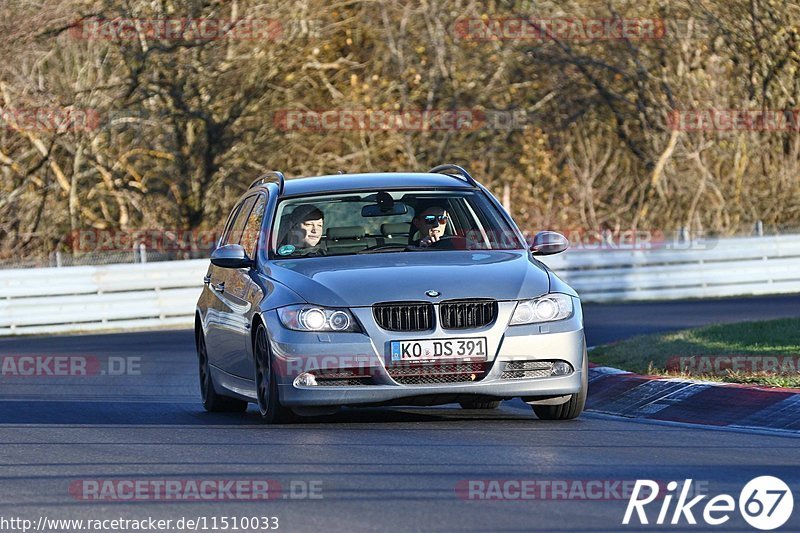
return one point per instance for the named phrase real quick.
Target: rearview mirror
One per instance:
(549, 243)
(231, 256)
(377, 210)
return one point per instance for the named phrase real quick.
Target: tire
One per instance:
(480, 404)
(213, 401)
(269, 402)
(574, 406)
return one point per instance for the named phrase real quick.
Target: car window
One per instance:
(252, 229)
(388, 221)
(234, 235)
(229, 224)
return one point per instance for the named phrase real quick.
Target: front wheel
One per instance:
(212, 401)
(269, 403)
(574, 406)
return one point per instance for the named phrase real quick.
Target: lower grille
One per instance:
(344, 377)
(467, 314)
(527, 370)
(404, 316)
(434, 374)
(359, 382)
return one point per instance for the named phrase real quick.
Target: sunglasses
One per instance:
(433, 219)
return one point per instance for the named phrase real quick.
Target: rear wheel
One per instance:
(480, 404)
(574, 406)
(269, 403)
(212, 401)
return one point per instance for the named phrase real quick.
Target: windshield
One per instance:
(389, 222)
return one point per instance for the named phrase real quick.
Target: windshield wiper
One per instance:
(387, 249)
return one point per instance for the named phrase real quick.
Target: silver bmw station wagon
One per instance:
(385, 289)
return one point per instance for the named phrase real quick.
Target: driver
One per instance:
(430, 225)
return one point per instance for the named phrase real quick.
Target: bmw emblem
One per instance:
(433, 294)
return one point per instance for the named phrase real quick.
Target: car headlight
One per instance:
(547, 308)
(315, 318)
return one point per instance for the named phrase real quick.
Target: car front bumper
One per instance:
(296, 352)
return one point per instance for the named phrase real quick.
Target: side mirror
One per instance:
(231, 256)
(549, 243)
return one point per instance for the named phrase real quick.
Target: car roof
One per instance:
(372, 181)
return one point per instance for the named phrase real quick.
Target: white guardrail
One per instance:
(94, 298)
(56, 300)
(711, 268)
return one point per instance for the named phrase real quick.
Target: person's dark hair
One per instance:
(305, 212)
(425, 204)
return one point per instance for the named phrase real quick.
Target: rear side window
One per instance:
(228, 225)
(234, 233)
(252, 230)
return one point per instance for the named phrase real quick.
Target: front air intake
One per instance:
(438, 373)
(467, 314)
(404, 316)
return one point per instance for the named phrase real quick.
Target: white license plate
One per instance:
(473, 349)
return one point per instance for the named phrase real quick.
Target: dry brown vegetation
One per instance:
(184, 126)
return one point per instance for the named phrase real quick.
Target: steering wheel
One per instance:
(449, 242)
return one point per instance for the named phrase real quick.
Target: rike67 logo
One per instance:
(765, 503)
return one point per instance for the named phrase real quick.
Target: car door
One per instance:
(243, 296)
(213, 281)
(225, 309)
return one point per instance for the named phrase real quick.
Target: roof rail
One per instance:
(454, 170)
(281, 180)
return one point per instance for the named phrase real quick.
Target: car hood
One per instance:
(363, 280)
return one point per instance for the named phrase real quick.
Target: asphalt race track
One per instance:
(138, 418)
(612, 322)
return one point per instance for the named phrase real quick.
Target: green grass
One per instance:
(649, 354)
